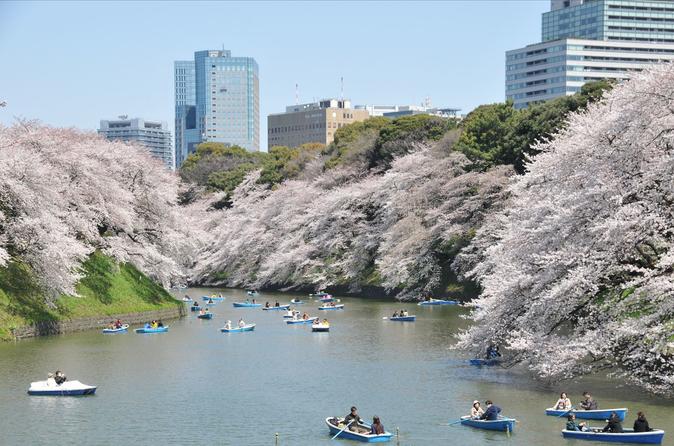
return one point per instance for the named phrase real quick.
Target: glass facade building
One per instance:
(589, 40)
(217, 99)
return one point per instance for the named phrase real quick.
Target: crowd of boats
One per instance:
(352, 427)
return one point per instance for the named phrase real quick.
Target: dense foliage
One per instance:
(577, 270)
(65, 194)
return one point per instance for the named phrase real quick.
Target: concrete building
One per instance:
(588, 40)
(217, 98)
(313, 122)
(394, 111)
(154, 135)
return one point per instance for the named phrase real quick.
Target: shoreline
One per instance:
(49, 328)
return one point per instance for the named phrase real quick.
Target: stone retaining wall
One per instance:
(68, 326)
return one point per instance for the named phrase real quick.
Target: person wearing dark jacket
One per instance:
(589, 403)
(492, 412)
(641, 423)
(353, 419)
(613, 425)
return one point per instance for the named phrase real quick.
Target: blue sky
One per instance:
(74, 63)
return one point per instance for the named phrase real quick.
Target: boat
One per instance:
(121, 329)
(252, 292)
(280, 307)
(285, 316)
(301, 321)
(68, 388)
(296, 301)
(327, 298)
(213, 298)
(484, 362)
(248, 327)
(599, 414)
(403, 318)
(207, 315)
(654, 436)
(319, 294)
(245, 305)
(347, 434)
(195, 308)
(148, 329)
(332, 307)
(438, 302)
(211, 304)
(187, 299)
(502, 424)
(320, 327)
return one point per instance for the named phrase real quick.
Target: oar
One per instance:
(337, 434)
(455, 422)
(565, 413)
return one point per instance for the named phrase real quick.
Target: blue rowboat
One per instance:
(327, 298)
(403, 318)
(152, 330)
(121, 329)
(628, 436)
(195, 308)
(280, 307)
(296, 302)
(205, 316)
(68, 388)
(249, 327)
(484, 362)
(245, 305)
(319, 294)
(503, 424)
(581, 414)
(437, 302)
(301, 321)
(332, 307)
(351, 435)
(213, 298)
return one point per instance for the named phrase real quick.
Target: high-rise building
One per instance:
(589, 40)
(154, 135)
(217, 99)
(312, 122)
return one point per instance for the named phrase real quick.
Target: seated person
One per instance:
(563, 403)
(641, 423)
(613, 425)
(492, 412)
(376, 428)
(352, 420)
(493, 352)
(161, 324)
(395, 314)
(228, 325)
(589, 403)
(476, 410)
(59, 377)
(50, 379)
(241, 323)
(572, 425)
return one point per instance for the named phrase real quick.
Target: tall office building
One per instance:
(217, 99)
(313, 122)
(589, 40)
(154, 135)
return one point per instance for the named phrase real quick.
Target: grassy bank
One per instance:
(107, 288)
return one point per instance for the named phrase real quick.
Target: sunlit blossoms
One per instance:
(578, 270)
(65, 193)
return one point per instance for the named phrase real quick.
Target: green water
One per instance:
(195, 385)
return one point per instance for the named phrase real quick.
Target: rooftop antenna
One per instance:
(341, 88)
(122, 117)
(297, 94)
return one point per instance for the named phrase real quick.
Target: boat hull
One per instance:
(483, 362)
(152, 330)
(195, 308)
(249, 327)
(68, 388)
(123, 329)
(219, 299)
(205, 316)
(437, 302)
(502, 425)
(296, 302)
(336, 307)
(348, 435)
(403, 319)
(320, 328)
(300, 321)
(602, 414)
(653, 437)
(280, 307)
(245, 305)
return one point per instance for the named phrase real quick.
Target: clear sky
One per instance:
(74, 63)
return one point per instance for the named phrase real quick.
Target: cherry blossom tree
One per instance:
(577, 270)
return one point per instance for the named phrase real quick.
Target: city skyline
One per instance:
(108, 52)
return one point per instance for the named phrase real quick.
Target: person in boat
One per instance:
(50, 379)
(160, 324)
(404, 313)
(476, 410)
(59, 377)
(376, 428)
(353, 419)
(118, 324)
(395, 314)
(202, 311)
(305, 316)
(277, 304)
(155, 324)
(572, 425)
(228, 325)
(325, 322)
(641, 423)
(493, 352)
(210, 301)
(589, 403)
(220, 295)
(266, 304)
(563, 403)
(253, 300)
(492, 412)
(613, 424)
(241, 323)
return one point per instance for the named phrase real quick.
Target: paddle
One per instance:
(565, 413)
(455, 422)
(337, 434)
